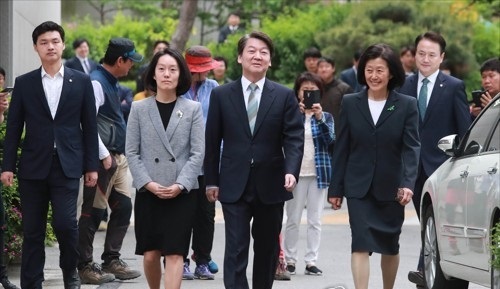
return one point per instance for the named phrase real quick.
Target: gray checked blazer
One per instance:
(174, 155)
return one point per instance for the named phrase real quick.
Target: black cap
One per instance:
(123, 47)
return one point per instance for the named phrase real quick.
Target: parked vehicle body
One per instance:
(461, 204)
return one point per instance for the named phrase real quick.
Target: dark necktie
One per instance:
(422, 98)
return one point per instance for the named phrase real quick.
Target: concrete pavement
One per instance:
(334, 259)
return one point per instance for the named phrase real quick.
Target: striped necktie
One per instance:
(252, 106)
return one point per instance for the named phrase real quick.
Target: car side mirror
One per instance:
(449, 144)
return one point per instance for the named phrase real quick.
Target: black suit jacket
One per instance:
(276, 147)
(447, 113)
(73, 130)
(382, 156)
(75, 63)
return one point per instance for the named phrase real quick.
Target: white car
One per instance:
(461, 204)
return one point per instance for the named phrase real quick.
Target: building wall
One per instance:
(18, 18)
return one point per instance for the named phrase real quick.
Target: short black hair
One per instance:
(434, 37)
(221, 58)
(2, 71)
(258, 35)
(308, 76)
(79, 41)
(184, 82)
(492, 64)
(329, 60)
(311, 52)
(357, 55)
(405, 49)
(157, 42)
(46, 27)
(385, 52)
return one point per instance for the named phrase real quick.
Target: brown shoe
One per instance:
(93, 274)
(120, 269)
(281, 273)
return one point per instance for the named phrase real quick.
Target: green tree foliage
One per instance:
(397, 23)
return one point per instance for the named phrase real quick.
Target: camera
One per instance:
(311, 97)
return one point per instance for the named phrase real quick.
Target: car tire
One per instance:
(433, 275)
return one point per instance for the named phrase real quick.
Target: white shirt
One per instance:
(246, 89)
(432, 80)
(86, 67)
(52, 86)
(99, 100)
(376, 108)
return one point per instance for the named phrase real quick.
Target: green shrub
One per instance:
(495, 246)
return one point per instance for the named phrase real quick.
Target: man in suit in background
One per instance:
(55, 107)
(350, 75)
(261, 126)
(233, 26)
(443, 111)
(80, 61)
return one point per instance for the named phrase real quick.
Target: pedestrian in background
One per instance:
(314, 177)
(4, 279)
(376, 160)
(165, 149)
(81, 60)
(200, 62)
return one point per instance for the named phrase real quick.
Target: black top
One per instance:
(165, 110)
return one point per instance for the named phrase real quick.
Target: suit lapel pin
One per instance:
(440, 85)
(179, 113)
(70, 80)
(391, 108)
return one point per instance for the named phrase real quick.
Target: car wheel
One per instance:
(434, 277)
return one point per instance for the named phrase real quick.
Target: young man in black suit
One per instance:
(81, 60)
(261, 125)
(443, 110)
(55, 108)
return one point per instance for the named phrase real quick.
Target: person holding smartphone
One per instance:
(490, 82)
(314, 177)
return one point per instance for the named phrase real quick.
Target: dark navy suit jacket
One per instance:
(73, 130)
(76, 64)
(276, 147)
(447, 113)
(349, 76)
(383, 156)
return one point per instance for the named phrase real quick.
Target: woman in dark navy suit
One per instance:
(375, 162)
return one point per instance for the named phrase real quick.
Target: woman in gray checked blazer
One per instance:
(165, 150)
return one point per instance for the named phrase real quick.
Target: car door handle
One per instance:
(492, 170)
(464, 174)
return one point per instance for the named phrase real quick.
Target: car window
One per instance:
(478, 135)
(495, 139)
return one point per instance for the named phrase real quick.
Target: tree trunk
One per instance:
(186, 21)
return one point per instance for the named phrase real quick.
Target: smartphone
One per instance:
(311, 97)
(476, 97)
(7, 89)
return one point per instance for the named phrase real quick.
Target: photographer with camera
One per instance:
(490, 82)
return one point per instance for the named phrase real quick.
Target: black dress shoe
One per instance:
(416, 277)
(71, 279)
(6, 283)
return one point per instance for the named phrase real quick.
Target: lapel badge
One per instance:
(70, 80)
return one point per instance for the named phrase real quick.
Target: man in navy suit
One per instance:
(55, 107)
(443, 111)
(81, 60)
(350, 75)
(261, 126)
